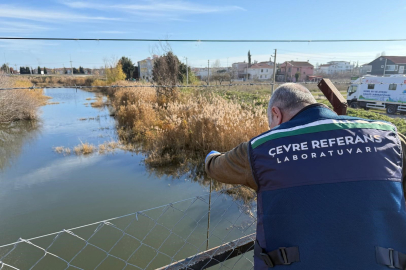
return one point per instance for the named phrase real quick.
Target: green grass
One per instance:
(400, 123)
(260, 97)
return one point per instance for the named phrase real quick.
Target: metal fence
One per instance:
(194, 233)
(223, 85)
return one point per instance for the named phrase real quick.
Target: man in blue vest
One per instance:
(329, 187)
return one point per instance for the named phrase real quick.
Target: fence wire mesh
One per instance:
(149, 239)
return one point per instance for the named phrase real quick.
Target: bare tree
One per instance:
(221, 76)
(165, 73)
(216, 64)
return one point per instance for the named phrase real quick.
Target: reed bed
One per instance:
(190, 126)
(19, 104)
(52, 80)
(99, 103)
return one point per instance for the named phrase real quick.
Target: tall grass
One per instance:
(189, 126)
(61, 80)
(19, 104)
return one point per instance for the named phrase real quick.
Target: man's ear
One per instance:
(277, 116)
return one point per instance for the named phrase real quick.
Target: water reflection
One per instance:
(193, 169)
(13, 136)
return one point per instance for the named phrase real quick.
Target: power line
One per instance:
(206, 40)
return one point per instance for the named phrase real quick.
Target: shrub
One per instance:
(114, 74)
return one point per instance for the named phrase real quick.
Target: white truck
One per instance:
(376, 92)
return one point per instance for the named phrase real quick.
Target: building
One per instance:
(145, 68)
(335, 67)
(288, 69)
(98, 71)
(365, 69)
(202, 73)
(260, 71)
(388, 65)
(239, 70)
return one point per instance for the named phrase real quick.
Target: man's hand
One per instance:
(211, 153)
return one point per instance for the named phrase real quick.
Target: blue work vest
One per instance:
(330, 187)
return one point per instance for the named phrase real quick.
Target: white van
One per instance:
(377, 92)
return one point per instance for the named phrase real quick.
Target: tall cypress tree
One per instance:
(249, 58)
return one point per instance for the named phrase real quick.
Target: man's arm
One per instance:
(232, 167)
(403, 143)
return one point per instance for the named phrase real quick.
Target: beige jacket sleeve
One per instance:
(232, 167)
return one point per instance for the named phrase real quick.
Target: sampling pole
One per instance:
(274, 71)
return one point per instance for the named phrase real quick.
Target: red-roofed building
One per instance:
(388, 65)
(290, 68)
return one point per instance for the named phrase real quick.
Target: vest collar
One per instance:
(314, 109)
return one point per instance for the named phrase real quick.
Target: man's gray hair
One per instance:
(290, 97)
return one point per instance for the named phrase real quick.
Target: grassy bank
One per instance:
(61, 80)
(19, 104)
(198, 121)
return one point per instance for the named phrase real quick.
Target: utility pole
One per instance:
(187, 73)
(286, 69)
(274, 71)
(71, 68)
(5, 62)
(208, 72)
(384, 69)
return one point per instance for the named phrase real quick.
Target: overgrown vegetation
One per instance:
(87, 148)
(19, 104)
(113, 73)
(400, 123)
(48, 81)
(186, 127)
(99, 103)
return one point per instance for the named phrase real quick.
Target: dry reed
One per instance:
(53, 80)
(98, 103)
(84, 149)
(19, 104)
(192, 125)
(62, 150)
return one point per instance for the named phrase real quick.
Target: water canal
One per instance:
(42, 191)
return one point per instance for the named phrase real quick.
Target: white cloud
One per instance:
(51, 170)
(18, 27)
(8, 11)
(109, 32)
(26, 45)
(171, 10)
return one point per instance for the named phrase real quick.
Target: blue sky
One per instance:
(226, 19)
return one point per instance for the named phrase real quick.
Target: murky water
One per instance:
(42, 191)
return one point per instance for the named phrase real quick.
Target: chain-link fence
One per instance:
(159, 237)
